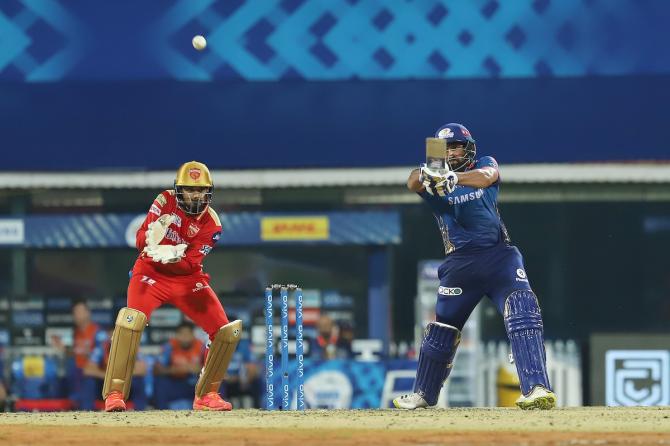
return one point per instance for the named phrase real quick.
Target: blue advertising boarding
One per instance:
(349, 384)
(239, 229)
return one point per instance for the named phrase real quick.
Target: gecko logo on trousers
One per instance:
(448, 291)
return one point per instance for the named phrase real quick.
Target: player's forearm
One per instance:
(413, 182)
(140, 240)
(478, 178)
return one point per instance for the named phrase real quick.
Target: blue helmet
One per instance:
(457, 133)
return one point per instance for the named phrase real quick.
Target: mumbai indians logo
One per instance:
(447, 291)
(445, 133)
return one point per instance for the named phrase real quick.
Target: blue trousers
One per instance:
(466, 277)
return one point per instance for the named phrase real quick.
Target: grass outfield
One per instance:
(500, 426)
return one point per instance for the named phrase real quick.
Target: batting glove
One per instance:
(438, 183)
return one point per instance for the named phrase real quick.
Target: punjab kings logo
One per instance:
(194, 173)
(192, 230)
(637, 378)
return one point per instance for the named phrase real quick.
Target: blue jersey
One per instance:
(468, 217)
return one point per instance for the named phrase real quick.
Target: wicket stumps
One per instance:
(270, 347)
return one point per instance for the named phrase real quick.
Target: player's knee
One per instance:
(522, 311)
(131, 318)
(440, 339)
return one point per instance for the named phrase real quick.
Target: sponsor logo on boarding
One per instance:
(449, 291)
(445, 133)
(637, 378)
(521, 275)
(155, 210)
(194, 173)
(12, 231)
(199, 286)
(315, 227)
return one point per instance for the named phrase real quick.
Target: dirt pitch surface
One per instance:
(496, 426)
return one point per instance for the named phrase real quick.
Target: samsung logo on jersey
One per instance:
(458, 199)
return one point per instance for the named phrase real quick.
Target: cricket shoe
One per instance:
(211, 401)
(114, 402)
(538, 398)
(410, 401)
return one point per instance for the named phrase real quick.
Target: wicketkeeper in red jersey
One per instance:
(178, 232)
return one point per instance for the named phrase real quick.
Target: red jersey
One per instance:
(200, 233)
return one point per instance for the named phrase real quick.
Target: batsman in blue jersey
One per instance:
(462, 192)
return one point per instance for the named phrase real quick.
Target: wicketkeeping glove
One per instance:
(166, 253)
(156, 230)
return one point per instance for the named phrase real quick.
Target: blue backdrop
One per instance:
(160, 125)
(89, 84)
(48, 40)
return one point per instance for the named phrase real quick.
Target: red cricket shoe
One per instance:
(114, 402)
(211, 401)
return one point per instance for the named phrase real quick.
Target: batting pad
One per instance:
(125, 342)
(435, 360)
(220, 353)
(523, 322)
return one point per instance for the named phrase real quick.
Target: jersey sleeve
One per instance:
(158, 208)
(488, 161)
(197, 249)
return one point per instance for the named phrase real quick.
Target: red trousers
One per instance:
(191, 294)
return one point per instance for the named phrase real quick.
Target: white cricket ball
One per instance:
(199, 42)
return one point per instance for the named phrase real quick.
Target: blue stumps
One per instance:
(523, 322)
(284, 373)
(284, 349)
(435, 360)
(299, 351)
(269, 351)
